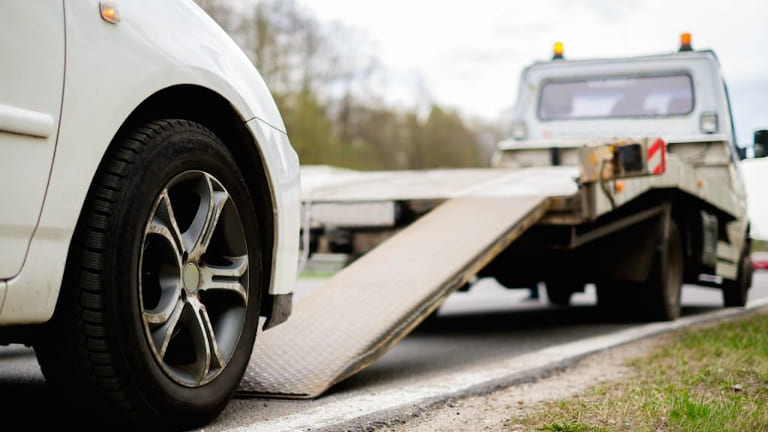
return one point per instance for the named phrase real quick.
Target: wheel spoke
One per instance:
(216, 360)
(162, 336)
(225, 277)
(170, 299)
(212, 202)
(164, 223)
(207, 349)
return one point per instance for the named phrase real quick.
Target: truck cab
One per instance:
(681, 96)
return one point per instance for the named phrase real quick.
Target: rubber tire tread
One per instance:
(736, 292)
(656, 302)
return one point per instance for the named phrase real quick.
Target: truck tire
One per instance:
(609, 295)
(615, 299)
(665, 280)
(160, 302)
(735, 292)
(559, 292)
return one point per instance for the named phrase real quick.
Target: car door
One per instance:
(32, 48)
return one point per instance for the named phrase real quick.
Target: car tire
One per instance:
(665, 281)
(736, 292)
(160, 300)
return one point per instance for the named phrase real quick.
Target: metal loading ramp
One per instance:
(367, 307)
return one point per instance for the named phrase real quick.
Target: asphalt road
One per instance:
(479, 327)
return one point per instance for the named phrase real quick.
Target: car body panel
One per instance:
(284, 175)
(2, 294)
(31, 83)
(115, 67)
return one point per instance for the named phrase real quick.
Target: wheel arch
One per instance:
(210, 109)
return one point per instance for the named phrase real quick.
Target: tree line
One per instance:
(325, 82)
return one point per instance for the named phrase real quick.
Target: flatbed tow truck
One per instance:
(622, 173)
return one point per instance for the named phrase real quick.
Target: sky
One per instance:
(469, 55)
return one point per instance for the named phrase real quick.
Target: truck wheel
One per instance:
(665, 280)
(608, 295)
(735, 292)
(559, 293)
(160, 303)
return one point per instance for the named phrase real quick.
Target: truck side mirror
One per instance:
(761, 143)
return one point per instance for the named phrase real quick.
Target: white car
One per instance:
(150, 205)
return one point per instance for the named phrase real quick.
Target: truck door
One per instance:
(31, 84)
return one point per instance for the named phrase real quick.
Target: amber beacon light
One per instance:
(685, 42)
(558, 51)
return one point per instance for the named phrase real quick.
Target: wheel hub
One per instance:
(191, 278)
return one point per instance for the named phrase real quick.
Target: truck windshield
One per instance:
(613, 97)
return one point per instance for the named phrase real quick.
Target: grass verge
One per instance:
(711, 379)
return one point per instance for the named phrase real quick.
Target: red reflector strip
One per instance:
(657, 157)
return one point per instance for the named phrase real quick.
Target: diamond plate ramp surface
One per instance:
(354, 318)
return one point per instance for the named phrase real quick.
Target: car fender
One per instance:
(121, 65)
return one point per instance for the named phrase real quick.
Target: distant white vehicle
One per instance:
(150, 205)
(760, 260)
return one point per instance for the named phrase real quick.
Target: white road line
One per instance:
(488, 375)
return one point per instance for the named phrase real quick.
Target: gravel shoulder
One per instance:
(496, 411)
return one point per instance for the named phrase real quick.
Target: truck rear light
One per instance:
(708, 122)
(519, 130)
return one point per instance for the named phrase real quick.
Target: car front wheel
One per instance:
(160, 302)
